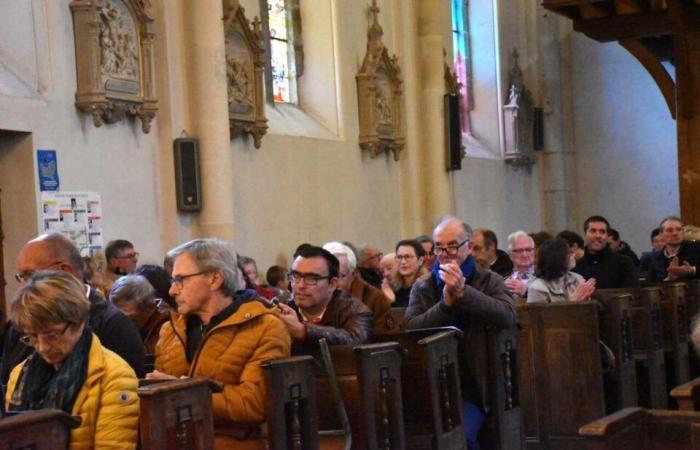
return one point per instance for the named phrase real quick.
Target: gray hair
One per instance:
(444, 220)
(132, 288)
(518, 234)
(215, 255)
(338, 248)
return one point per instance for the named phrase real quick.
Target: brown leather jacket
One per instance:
(375, 300)
(346, 321)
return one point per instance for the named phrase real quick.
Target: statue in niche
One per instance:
(518, 117)
(383, 107)
(119, 57)
(238, 85)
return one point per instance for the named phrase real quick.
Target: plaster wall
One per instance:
(625, 141)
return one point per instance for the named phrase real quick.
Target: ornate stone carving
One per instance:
(380, 96)
(518, 115)
(244, 73)
(114, 60)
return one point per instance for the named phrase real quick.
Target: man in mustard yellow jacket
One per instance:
(222, 334)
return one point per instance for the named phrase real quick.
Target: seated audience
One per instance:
(609, 269)
(521, 248)
(657, 245)
(115, 331)
(70, 370)
(575, 242)
(135, 296)
(222, 334)
(691, 233)
(318, 310)
(461, 293)
(250, 271)
(388, 267)
(427, 244)
(679, 259)
(160, 280)
(487, 254)
(539, 237)
(555, 282)
(93, 272)
(121, 260)
(620, 246)
(409, 259)
(368, 265)
(277, 280)
(350, 283)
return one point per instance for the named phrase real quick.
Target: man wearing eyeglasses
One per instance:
(461, 293)
(368, 259)
(121, 258)
(318, 310)
(521, 248)
(114, 329)
(222, 333)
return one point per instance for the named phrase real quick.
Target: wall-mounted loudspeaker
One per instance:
(189, 194)
(538, 129)
(453, 133)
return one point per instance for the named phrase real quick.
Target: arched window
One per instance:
(462, 58)
(281, 20)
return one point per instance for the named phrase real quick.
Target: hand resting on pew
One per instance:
(156, 375)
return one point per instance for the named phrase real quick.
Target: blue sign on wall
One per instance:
(48, 170)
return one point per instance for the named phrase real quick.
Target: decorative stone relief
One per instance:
(244, 73)
(114, 60)
(518, 114)
(380, 96)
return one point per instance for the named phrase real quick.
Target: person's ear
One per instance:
(216, 281)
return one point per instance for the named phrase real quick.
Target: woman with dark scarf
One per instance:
(69, 369)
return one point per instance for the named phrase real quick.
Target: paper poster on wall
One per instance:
(48, 170)
(77, 216)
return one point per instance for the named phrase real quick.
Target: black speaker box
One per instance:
(189, 194)
(538, 129)
(453, 133)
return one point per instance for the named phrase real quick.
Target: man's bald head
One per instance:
(49, 251)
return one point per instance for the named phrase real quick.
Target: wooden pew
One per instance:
(615, 325)
(177, 414)
(370, 382)
(641, 429)
(647, 331)
(687, 395)
(431, 388)
(692, 300)
(292, 414)
(47, 429)
(393, 322)
(675, 330)
(561, 375)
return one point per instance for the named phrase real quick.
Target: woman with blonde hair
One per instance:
(70, 370)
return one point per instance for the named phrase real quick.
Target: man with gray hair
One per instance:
(461, 293)
(351, 284)
(368, 265)
(521, 248)
(223, 334)
(136, 297)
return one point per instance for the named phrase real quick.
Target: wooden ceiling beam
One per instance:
(595, 11)
(615, 28)
(629, 7)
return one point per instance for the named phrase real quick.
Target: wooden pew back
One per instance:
(292, 414)
(45, 430)
(649, 353)
(561, 376)
(675, 331)
(177, 414)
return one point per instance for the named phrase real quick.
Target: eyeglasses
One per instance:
(404, 257)
(179, 280)
(23, 277)
(31, 340)
(519, 251)
(129, 256)
(451, 249)
(310, 279)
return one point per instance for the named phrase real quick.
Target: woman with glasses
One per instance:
(69, 369)
(555, 282)
(409, 269)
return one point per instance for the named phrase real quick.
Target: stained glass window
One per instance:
(462, 57)
(282, 67)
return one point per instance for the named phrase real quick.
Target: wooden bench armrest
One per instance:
(155, 387)
(687, 394)
(29, 418)
(613, 423)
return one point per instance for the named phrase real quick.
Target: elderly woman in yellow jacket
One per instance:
(70, 370)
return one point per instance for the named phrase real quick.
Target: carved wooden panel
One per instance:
(114, 60)
(244, 73)
(380, 96)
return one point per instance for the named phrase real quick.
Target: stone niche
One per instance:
(244, 74)
(114, 60)
(380, 96)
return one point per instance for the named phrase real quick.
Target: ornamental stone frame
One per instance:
(380, 96)
(244, 75)
(114, 60)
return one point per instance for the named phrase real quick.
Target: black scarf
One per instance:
(40, 386)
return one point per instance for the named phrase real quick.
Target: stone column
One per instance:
(205, 62)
